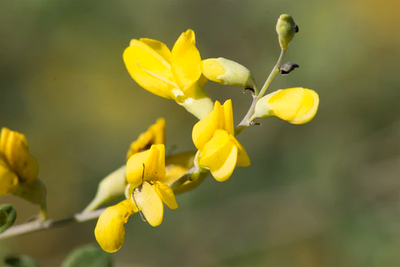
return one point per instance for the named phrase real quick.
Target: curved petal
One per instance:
(149, 69)
(228, 117)
(154, 135)
(243, 159)
(153, 162)
(166, 195)
(185, 60)
(286, 103)
(8, 179)
(150, 204)
(308, 108)
(220, 155)
(110, 230)
(204, 129)
(15, 148)
(159, 47)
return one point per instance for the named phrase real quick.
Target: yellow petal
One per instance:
(220, 155)
(185, 59)
(166, 195)
(308, 108)
(154, 135)
(204, 129)
(110, 230)
(243, 159)
(159, 47)
(15, 149)
(228, 117)
(149, 68)
(150, 204)
(286, 103)
(8, 179)
(153, 161)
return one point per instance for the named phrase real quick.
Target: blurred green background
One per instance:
(323, 194)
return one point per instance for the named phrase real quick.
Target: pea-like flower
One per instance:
(172, 74)
(295, 105)
(219, 150)
(17, 166)
(146, 192)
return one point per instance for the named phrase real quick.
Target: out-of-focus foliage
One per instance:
(323, 194)
(88, 256)
(8, 215)
(17, 261)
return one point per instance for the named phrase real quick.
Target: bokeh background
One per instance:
(323, 194)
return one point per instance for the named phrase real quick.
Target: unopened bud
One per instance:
(110, 188)
(227, 72)
(286, 28)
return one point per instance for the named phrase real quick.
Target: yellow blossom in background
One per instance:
(219, 150)
(295, 105)
(154, 135)
(172, 74)
(145, 174)
(17, 166)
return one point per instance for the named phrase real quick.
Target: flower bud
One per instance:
(227, 72)
(286, 28)
(110, 188)
(295, 105)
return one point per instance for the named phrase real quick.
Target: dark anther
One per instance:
(296, 28)
(288, 67)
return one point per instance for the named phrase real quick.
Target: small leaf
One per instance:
(10, 218)
(18, 261)
(88, 256)
(3, 217)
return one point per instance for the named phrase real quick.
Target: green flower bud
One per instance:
(110, 188)
(227, 72)
(286, 28)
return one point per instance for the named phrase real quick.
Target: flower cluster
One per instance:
(150, 179)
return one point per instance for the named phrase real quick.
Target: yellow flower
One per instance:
(17, 166)
(172, 74)
(219, 150)
(145, 173)
(295, 105)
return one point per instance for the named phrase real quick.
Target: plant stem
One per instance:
(36, 226)
(246, 122)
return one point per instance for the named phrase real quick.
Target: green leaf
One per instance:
(18, 261)
(10, 218)
(88, 256)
